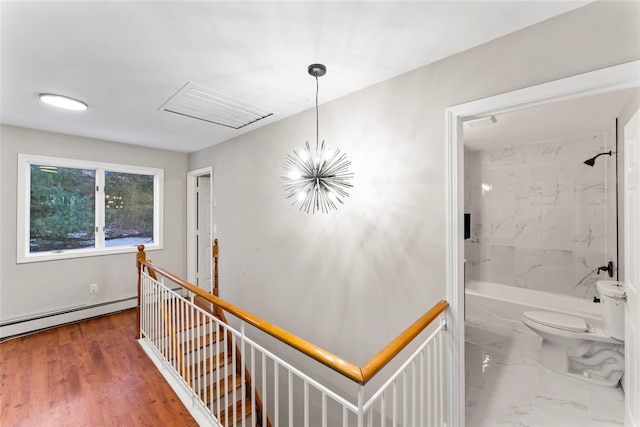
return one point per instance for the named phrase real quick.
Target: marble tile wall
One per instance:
(540, 217)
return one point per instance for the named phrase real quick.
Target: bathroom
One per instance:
(542, 220)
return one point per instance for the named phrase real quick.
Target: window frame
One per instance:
(25, 161)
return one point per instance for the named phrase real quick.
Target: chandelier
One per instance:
(319, 178)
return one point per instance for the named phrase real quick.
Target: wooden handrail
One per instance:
(384, 356)
(356, 373)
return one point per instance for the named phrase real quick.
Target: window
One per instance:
(71, 208)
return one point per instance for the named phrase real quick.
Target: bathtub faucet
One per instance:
(607, 268)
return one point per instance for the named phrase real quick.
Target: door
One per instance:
(203, 233)
(632, 269)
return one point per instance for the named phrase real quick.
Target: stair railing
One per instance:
(412, 396)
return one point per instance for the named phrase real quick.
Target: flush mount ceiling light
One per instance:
(61, 101)
(317, 179)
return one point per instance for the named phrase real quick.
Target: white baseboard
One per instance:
(49, 320)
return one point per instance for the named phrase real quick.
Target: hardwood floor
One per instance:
(92, 373)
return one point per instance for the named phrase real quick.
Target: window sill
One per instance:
(83, 253)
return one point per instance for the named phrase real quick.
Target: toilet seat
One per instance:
(564, 322)
(564, 326)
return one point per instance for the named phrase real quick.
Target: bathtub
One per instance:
(496, 303)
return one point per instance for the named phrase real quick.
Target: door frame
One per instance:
(601, 81)
(192, 212)
(632, 280)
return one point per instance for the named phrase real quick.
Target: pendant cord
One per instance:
(617, 217)
(317, 120)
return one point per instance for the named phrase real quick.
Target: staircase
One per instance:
(212, 366)
(204, 354)
(199, 353)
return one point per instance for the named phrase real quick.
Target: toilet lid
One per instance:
(557, 320)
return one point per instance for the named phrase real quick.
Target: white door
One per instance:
(203, 233)
(632, 269)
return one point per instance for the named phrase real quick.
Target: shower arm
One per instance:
(592, 161)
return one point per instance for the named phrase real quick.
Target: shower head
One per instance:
(592, 161)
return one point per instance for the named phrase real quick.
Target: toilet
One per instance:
(574, 348)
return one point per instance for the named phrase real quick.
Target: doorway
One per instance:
(200, 228)
(598, 82)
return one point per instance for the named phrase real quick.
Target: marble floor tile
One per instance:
(606, 406)
(503, 338)
(507, 386)
(549, 411)
(512, 366)
(504, 400)
(553, 387)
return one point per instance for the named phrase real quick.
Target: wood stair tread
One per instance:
(204, 321)
(207, 366)
(226, 386)
(202, 341)
(235, 412)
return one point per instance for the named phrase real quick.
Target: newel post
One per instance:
(216, 292)
(215, 267)
(140, 256)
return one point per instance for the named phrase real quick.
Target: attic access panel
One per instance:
(201, 103)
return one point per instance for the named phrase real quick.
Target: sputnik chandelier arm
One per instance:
(320, 179)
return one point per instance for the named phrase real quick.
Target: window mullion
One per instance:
(100, 208)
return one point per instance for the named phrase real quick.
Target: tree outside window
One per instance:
(128, 208)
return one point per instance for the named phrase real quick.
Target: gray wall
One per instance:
(351, 280)
(41, 287)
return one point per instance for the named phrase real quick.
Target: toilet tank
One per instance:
(613, 297)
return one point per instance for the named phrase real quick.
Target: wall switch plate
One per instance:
(93, 288)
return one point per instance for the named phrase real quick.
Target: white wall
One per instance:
(351, 280)
(31, 289)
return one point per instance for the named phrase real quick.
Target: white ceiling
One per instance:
(126, 58)
(548, 122)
